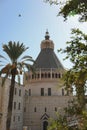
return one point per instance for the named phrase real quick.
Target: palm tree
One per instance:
(16, 66)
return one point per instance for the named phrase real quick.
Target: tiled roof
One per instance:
(47, 59)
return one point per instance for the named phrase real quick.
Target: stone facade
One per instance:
(41, 96)
(45, 94)
(39, 108)
(4, 102)
(17, 112)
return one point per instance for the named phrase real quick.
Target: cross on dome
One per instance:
(47, 35)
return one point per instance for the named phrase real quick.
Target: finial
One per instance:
(47, 35)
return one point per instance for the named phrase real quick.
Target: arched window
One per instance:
(29, 92)
(59, 75)
(49, 91)
(45, 109)
(32, 76)
(48, 75)
(56, 75)
(62, 91)
(45, 75)
(45, 124)
(42, 91)
(52, 75)
(42, 75)
(55, 108)
(35, 109)
(19, 106)
(38, 76)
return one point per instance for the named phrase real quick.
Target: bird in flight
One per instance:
(19, 15)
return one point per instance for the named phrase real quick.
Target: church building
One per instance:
(40, 97)
(44, 92)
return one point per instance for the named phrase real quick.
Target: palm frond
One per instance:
(30, 67)
(14, 50)
(26, 57)
(27, 60)
(2, 57)
(1, 65)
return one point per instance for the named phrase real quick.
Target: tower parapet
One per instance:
(47, 66)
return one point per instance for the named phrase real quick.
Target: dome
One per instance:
(47, 43)
(47, 57)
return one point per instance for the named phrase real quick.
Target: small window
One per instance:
(55, 108)
(19, 92)
(26, 92)
(29, 92)
(13, 118)
(18, 118)
(49, 91)
(62, 91)
(49, 75)
(56, 75)
(19, 106)
(52, 75)
(38, 75)
(24, 109)
(14, 105)
(45, 109)
(42, 91)
(45, 75)
(59, 75)
(32, 76)
(42, 75)
(35, 109)
(15, 91)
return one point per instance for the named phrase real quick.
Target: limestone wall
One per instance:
(40, 108)
(35, 88)
(17, 114)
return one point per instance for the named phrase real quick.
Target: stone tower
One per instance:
(44, 95)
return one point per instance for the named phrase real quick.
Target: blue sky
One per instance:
(30, 28)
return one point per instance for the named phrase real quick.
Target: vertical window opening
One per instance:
(45, 109)
(49, 91)
(29, 92)
(35, 109)
(42, 91)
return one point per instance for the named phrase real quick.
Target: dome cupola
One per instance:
(47, 43)
(47, 58)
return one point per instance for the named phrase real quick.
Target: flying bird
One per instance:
(19, 15)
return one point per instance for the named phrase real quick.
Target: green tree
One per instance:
(76, 51)
(15, 67)
(59, 124)
(71, 8)
(70, 120)
(74, 7)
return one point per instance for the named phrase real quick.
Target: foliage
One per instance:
(76, 51)
(51, 1)
(59, 124)
(75, 7)
(15, 67)
(73, 109)
(83, 121)
(71, 8)
(13, 61)
(71, 120)
(72, 114)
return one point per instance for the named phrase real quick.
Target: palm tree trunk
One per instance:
(10, 102)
